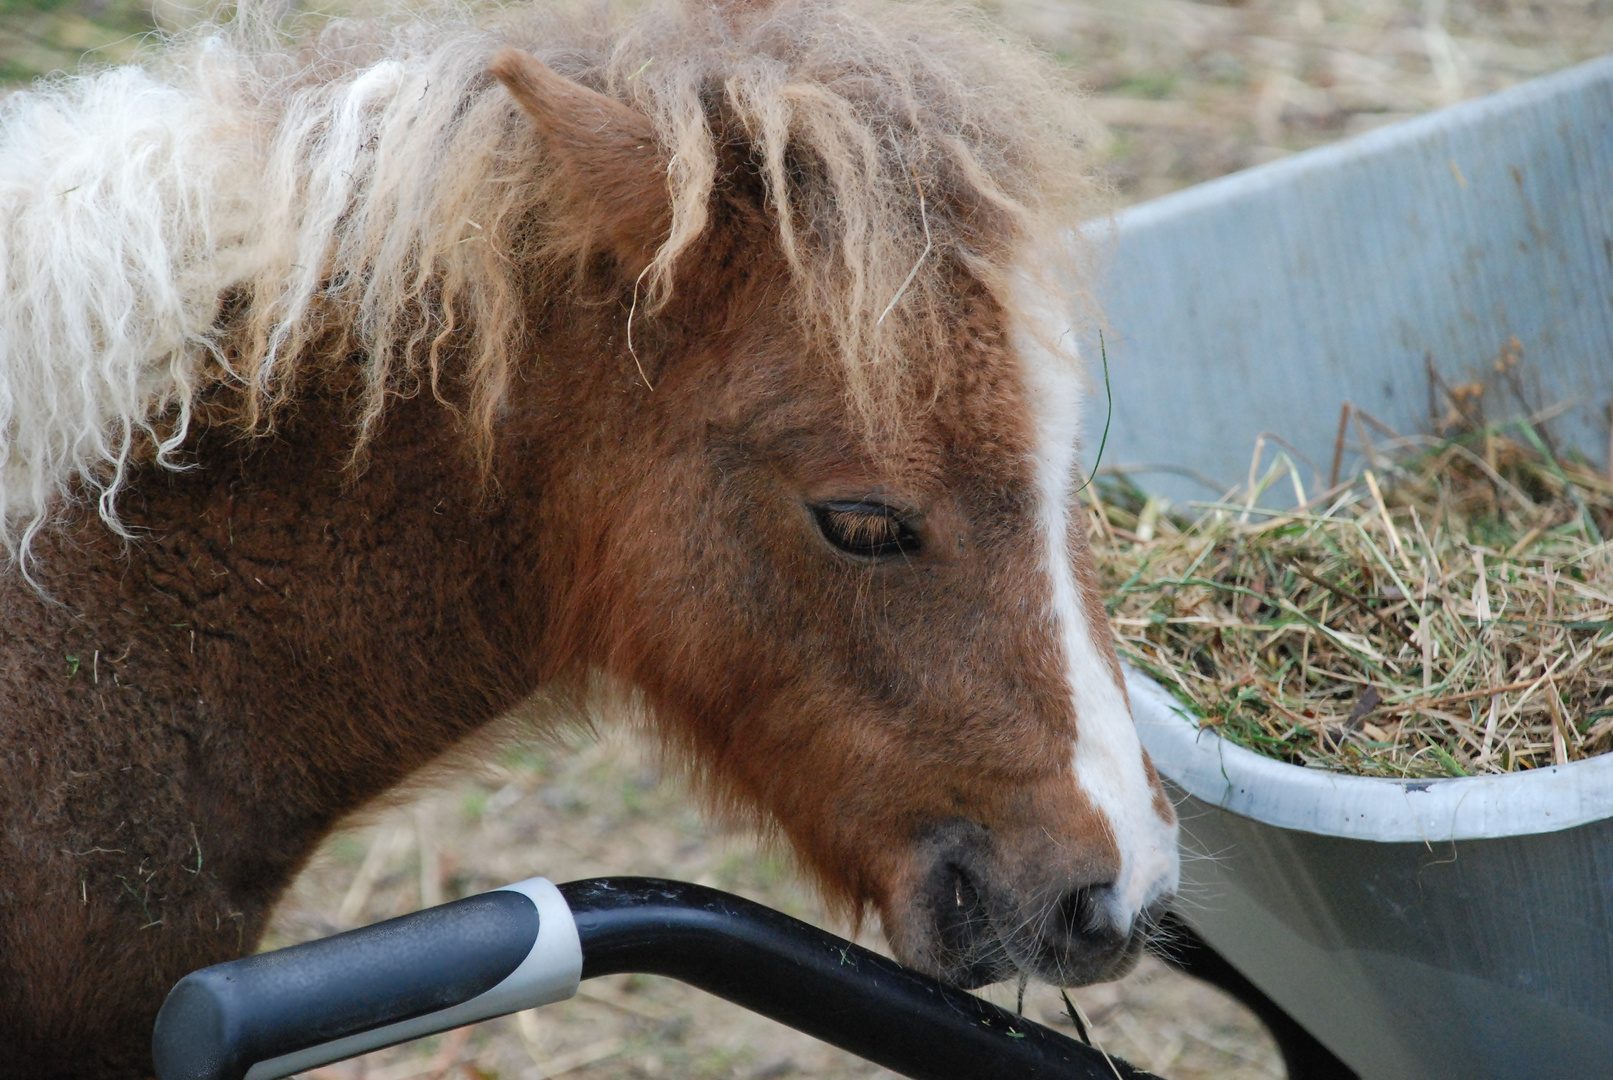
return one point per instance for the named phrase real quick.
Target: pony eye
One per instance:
(866, 529)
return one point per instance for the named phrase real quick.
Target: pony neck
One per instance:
(322, 633)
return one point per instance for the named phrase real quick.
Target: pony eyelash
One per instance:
(866, 530)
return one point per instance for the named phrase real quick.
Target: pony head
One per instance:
(829, 530)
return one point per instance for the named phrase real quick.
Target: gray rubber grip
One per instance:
(281, 1012)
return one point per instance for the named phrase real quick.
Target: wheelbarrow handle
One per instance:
(281, 1012)
(529, 944)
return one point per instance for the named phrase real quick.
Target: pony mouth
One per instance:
(1074, 943)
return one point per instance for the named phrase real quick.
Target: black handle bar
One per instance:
(267, 1016)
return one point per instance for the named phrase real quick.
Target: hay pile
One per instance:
(1447, 614)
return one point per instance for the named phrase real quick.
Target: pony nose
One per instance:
(1084, 921)
(986, 914)
(1089, 936)
(1082, 911)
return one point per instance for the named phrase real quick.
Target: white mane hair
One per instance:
(125, 203)
(249, 205)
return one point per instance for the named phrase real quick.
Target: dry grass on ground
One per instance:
(1183, 92)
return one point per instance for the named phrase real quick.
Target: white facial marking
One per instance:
(1108, 759)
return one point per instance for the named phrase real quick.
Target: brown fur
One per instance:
(186, 717)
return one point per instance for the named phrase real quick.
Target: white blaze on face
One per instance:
(1108, 758)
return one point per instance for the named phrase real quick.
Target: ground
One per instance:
(1180, 92)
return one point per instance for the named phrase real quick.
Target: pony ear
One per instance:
(605, 153)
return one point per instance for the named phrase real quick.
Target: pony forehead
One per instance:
(382, 190)
(896, 143)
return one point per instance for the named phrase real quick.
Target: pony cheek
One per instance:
(820, 776)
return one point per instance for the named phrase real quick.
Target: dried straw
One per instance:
(1450, 614)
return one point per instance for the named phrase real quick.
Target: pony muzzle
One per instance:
(972, 921)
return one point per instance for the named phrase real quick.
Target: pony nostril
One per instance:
(1087, 938)
(1082, 913)
(964, 907)
(961, 919)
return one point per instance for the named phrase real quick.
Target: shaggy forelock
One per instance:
(368, 190)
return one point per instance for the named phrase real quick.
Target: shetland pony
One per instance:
(360, 387)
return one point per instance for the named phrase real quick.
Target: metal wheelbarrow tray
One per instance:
(1455, 928)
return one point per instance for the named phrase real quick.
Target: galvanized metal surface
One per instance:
(1464, 930)
(1459, 960)
(1370, 911)
(1262, 301)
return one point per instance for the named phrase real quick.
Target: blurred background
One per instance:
(1180, 92)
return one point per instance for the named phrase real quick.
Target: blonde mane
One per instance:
(248, 204)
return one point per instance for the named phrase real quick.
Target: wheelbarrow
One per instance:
(1456, 929)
